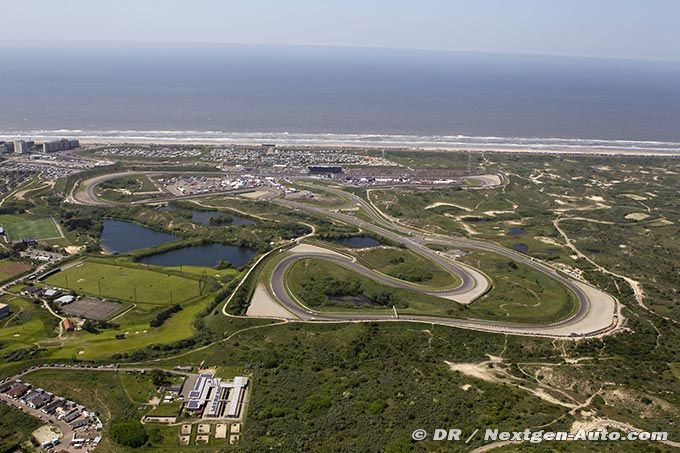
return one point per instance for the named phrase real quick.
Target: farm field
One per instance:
(31, 229)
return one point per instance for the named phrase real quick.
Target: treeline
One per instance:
(163, 316)
(95, 327)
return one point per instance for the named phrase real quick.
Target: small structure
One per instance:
(324, 169)
(51, 293)
(32, 291)
(4, 311)
(18, 390)
(69, 325)
(39, 400)
(65, 300)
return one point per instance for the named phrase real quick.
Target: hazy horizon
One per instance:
(627, 29)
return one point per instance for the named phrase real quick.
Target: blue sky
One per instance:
(642, 29)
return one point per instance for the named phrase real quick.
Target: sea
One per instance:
(316, 95)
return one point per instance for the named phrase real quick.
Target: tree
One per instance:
(129, 433)
(158, 377)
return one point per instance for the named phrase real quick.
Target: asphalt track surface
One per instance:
(598, 313)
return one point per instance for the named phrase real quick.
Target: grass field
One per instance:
(406, 265)
(31, 229)
(26, 325)
(407, 301)
(9, 269)
(129, 283)
(135, 329)
(519, 293)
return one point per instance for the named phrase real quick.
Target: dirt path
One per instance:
(634, 284)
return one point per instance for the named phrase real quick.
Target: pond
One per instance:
(515, 231)
(357, 242)
(121, 237)
(202, 255)
(522, 248)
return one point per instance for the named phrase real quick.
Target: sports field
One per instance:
(31, 229)
(134, 284)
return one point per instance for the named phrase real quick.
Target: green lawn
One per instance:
(519, 293)
(31, 229)
(134, 325)
(148, 288)
(167, 409)
(26, 325)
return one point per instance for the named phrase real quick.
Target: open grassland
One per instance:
(519, 293)
(146, 287)
(326, 286)
(406, 265)
(30, 326)
(31, 229)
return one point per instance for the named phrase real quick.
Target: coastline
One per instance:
(518, 145)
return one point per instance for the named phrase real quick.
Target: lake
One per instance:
(357, 242)
(202, 255)
(122, 237)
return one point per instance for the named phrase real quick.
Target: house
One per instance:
(18, 391)
(68, 325)
(6, 386)
(80, 423)
(65, 300)
(51, 293)
(75, 413)
(4, 311)
(31, 291)
(52, 407)
(39, 400)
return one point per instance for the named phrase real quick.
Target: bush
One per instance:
(128, 433)
(163, 316)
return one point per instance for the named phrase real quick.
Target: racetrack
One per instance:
(598, 313)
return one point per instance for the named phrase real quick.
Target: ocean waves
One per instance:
(539, 144)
